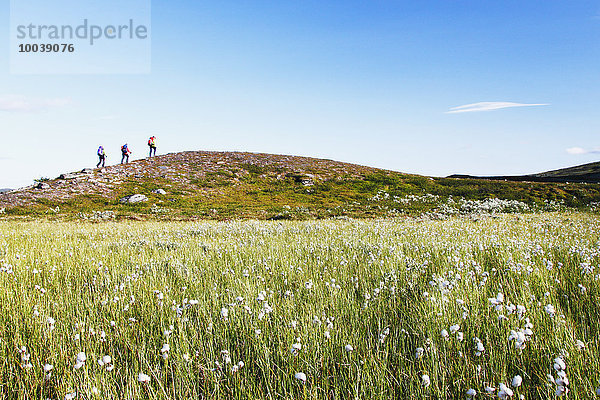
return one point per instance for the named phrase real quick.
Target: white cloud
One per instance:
(24, 104)
(489, 106)
(579, 151)
(576, 150)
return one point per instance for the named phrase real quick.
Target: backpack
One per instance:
(124, 148)
(100, 151)
(150, 142)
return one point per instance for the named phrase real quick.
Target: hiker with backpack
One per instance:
(152, 145)
(125, 152)
(101, 157)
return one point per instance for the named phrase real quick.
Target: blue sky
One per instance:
(369, 82)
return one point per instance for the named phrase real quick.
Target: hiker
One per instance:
(152, 145)
(125, 152)
(101, 157)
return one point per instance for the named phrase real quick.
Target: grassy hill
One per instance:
(223, 185)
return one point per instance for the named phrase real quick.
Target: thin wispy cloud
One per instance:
(490, 106)
(25, 104)
(576, 151)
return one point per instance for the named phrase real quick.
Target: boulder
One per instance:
(87, 171)
(42, 185)
(159, 191)
(70, 175)
(134, 198)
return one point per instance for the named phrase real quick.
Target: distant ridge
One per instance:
(586, 173)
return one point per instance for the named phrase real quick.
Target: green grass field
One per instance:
(368, 309)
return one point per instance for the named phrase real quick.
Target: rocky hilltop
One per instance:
(221, 185)
(196, 171)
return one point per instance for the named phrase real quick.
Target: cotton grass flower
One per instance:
(479, 348)
(301, 376)
(164, 351)
(519, 337)
(48, 370)
(296, 347)
(562, 382)
(559, 364)
(106, 362)
(349, 348)
(471, 392)
(226, 357)
(419, 352)
(50, 321)
(445, 334)
(504, 391)
(237, 367)
(516, 381)
(495, 301)
(383, 335)
(425, 381)
(143, 378)
(25, 357)
(80, 360)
